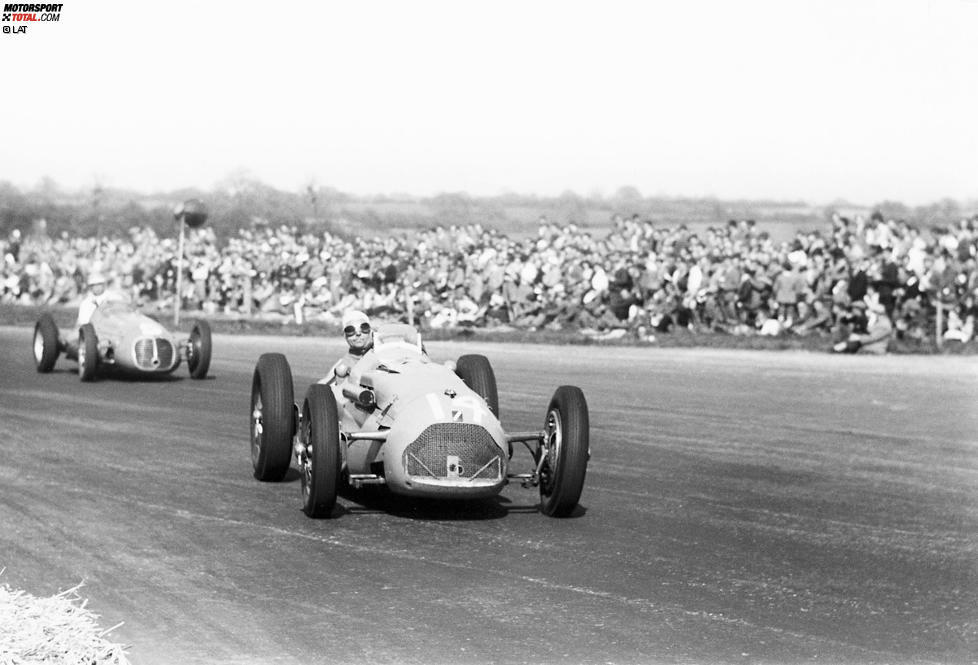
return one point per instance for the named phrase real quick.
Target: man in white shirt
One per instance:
(97, 296)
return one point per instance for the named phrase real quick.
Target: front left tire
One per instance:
(199, 350)
(566, 451)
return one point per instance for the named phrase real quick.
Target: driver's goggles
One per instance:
(350, 331)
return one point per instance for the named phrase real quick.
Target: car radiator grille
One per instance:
(153, 353)
(454, 450)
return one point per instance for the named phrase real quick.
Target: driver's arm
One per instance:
(85, 310)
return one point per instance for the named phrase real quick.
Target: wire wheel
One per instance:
(565, 450)
(271, 419)
(320, 456)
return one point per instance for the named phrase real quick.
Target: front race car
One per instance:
(419, 428)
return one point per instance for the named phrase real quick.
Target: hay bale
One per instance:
(54, 630)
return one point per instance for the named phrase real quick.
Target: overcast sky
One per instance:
(811, 100)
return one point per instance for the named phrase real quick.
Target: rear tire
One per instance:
(46, 348)
(87, 352)
(272, 417)
(567, 451)
(199, 350)
(477, 374)
(322, 461)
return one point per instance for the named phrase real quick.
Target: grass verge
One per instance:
(27, 315)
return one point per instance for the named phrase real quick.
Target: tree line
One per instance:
(240, 202)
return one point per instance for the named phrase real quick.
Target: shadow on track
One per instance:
(378, 500)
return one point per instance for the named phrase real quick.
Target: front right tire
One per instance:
(46, 348)
(272, 417)
(199, 350)
(87, 352)
(321, 460)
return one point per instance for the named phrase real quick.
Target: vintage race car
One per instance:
(120, 337)
(396, 418)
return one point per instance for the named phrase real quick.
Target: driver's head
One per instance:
(356, 329)
(96, 283)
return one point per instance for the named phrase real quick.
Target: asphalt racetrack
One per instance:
(740, 507)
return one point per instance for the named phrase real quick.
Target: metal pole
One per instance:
(938, 338)
(96, 195)
(177, 296)
(247, 295)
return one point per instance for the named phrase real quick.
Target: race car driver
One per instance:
(359, 336)
(97, 295)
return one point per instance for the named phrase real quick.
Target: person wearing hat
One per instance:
(876, 337)
(879, 328)
(358, 334)
(97, 296)
(359, 337)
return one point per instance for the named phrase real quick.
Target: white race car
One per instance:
(122, 338)
(421, 428)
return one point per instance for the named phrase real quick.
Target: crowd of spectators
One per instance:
(640, 278)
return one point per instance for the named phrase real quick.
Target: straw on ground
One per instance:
(57, 630)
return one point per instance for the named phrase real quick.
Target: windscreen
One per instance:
(396, 341)
(115, 306)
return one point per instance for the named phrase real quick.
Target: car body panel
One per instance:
(130, 340)
(441, 439)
